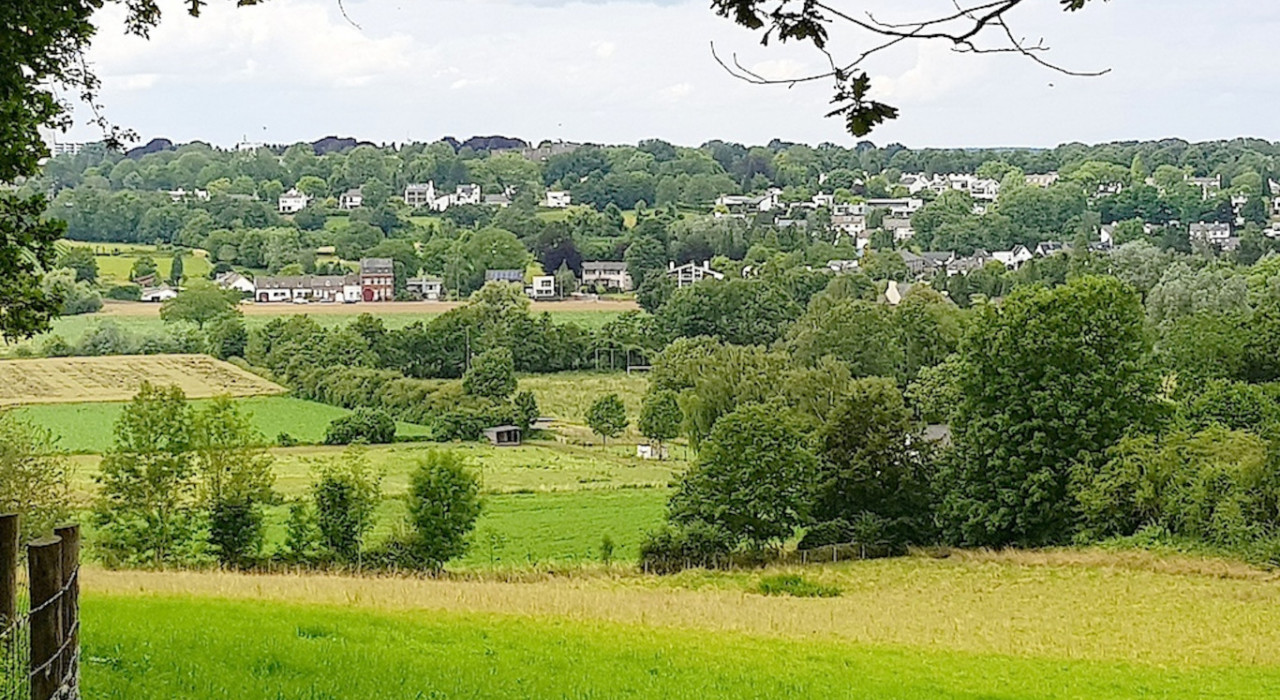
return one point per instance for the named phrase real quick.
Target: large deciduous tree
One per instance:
(753, 478)
(1051, 379)
(42, 53)
(147, 485)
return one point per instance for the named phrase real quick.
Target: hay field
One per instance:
(79, 379)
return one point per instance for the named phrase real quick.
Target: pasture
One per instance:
(543, 502)
(1078, 625)
(115, 260)
(75, 379)
(566, 396)
(88, 427)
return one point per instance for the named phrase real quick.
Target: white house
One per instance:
(556, 199)
(692, 273)
(292, 202)
(1041, 179)
(420, 195)
(351, 199)
(900, 227)
(467, 194)
(608, 273)
(1213, 234)
(905, 206)
(235, 280)
(180, 194)
(157, 294)
(1014, 258)
(1209, 186)
(544, 287)
(426, 288)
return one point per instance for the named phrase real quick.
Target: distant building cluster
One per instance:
(424, 196)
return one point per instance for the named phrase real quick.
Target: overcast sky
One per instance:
(621, 71)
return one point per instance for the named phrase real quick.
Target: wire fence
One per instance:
(39, 614)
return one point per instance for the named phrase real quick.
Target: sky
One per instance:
(617, 71)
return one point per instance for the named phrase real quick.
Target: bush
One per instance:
(286, 440)
(235, 531)
(674, 549)
(302, 534)
(366, 425)
(444, 502)
(346, 494)
(125, 292)
(826, 534)
(606, 549)
(795, 586)
(1217, 487)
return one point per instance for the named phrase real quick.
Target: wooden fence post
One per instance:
(70, 535)
(44, 567)
(8, 570)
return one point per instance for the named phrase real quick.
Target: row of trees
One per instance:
(185, 485)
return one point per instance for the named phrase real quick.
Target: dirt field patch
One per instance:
(76, 379)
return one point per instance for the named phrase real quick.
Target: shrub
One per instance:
(235, 531)
(286, 440)
(606, 549)
(125, 292)
(346, 493)
(492, 375)
(696, 544)
(302, 534)
(444, 502)
(370, 426)
(826, 534)
(795, 586)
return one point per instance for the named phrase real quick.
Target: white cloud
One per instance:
(678, 91)
(604, 49)
(611, 70)
(781, 69)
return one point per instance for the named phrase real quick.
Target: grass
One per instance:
(567, 395)
(77, 379)
(117, 268)
(975, 625)
(796, 586)
(542, 503)
(87, 427)
(519, 530)
(115, 260)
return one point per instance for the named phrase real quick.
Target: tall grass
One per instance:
(198, 648)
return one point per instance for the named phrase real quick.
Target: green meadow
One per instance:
(87, 427)
(139, 646)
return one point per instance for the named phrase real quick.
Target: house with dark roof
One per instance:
(377, 279)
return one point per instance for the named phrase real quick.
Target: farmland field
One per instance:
(87, 427)
(115, 260)
(566, 396)
(74, 379)
(543, 502)
(969, 626)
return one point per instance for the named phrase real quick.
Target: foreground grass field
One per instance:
(88, 427)
(1070, 625)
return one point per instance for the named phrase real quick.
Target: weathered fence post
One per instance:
(8, 570)
(44, 566)
(70, 661)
